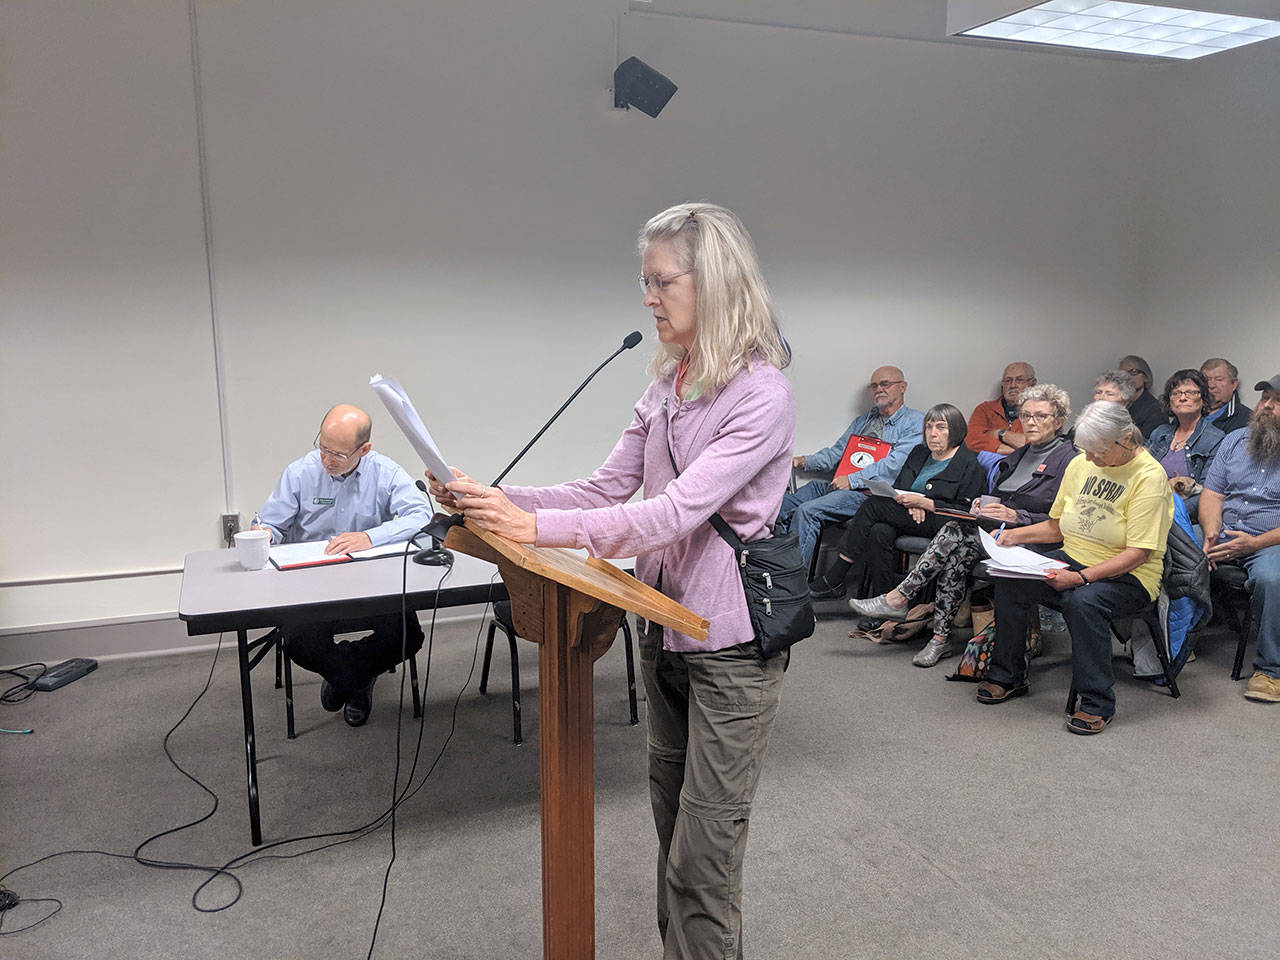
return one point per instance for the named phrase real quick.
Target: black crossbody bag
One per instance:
(775, 580)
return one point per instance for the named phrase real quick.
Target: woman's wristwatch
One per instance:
(1083, 578)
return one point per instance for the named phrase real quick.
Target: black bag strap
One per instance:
(717, 521)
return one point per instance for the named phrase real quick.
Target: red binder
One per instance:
(861, 452)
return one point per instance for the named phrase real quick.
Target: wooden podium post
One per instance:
(570, 607)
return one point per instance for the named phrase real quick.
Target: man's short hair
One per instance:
(1215, 362)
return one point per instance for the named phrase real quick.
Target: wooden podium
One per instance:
(570, 607)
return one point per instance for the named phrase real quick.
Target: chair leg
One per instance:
(515, 691)
(488, 655)
(279, 658)
(1071, 700)
(631, 671)
(413, 680)
(1151, 617)
(1246, 628)
(288, 687)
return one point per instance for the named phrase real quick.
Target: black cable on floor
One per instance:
(26, 689)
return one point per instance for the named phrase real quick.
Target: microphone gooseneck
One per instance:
(628, 342)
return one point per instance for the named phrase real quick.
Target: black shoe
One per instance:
(359, 705)
(821, 590)
(330, 698)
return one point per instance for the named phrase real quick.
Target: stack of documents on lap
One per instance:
(1016, 562)
(295, 556)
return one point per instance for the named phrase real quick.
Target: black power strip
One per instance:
(63, 673)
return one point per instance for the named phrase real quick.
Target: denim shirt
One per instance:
(1201, 446)
(902, 431)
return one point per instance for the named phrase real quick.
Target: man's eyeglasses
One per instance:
(656, 282)
(333, 454)
(1020, 381)
(1185, 395)
(1038, 417)
(884, 384)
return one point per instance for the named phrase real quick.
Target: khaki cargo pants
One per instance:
(709, 720)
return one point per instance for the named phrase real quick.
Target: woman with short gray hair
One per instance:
(1112, 516)
(1116, 386)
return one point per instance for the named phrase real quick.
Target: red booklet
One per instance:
(861, 452)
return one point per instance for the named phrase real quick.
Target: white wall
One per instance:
(442, 193)
(1211, 277)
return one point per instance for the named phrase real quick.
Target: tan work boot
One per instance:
(1264, 688)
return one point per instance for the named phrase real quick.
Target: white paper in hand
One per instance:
(406, 417)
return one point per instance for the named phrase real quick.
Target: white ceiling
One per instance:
(912, 19)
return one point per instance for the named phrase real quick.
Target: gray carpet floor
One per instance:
(896, 817)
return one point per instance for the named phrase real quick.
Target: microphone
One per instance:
(437, 555)
(629, 341)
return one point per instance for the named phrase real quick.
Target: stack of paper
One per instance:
(1016, 561)
(294, 556)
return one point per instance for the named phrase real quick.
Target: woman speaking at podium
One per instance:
(713, 432)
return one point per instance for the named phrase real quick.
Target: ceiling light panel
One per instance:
(1136, 28)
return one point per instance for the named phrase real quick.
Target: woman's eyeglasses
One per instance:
(656, 282)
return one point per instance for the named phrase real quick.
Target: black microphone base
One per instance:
(436, 556)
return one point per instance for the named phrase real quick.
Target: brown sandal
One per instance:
(990, 692)
(1086, 724)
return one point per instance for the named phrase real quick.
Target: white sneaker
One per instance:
(932, 652)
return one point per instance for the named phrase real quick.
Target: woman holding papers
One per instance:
(939, 473)
(1025, 486)
(712, 433)
(1112, 515)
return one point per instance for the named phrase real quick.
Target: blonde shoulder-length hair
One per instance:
(735, 315)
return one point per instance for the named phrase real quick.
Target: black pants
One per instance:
(350, 665)
(868, 543)
(1088, 611)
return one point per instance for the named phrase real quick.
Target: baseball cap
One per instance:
(1272, 384)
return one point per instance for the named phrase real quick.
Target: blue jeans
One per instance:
(1088, 611)
(817, 502)
(1264, 581)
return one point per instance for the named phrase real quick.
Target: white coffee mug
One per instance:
(252, 548)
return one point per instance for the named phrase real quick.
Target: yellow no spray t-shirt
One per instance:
(1102, 510)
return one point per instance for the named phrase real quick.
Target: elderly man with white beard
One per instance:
(1240, 517)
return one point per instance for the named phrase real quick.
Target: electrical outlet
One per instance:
(230, 527)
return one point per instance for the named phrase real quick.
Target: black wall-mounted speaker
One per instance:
(636, 84)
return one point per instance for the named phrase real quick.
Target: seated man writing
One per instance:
(356, 499)
(819, 501)
(1240, 517)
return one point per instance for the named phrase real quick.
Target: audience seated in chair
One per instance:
(1144, 409)
(820, 501)
(941, 472)
(1025, 487)
(1226, 412)
(1112, 516)
(1185, 445)
(1240, 517)
(994, 425)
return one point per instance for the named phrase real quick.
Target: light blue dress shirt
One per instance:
(902, 431)
(377, 498)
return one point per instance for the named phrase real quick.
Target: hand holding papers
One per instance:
(1018, 562)
(878, 488)
(406, 417)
